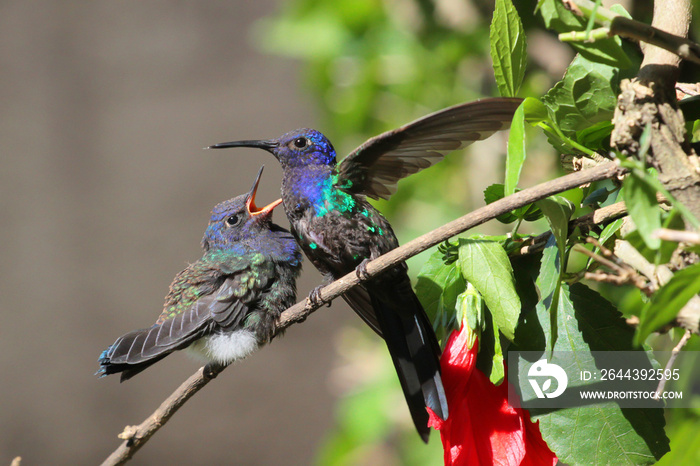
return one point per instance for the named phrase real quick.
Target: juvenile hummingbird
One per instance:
(339, 230)
(226, 304)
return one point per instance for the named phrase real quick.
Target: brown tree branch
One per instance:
(650, 101)
(136, 436)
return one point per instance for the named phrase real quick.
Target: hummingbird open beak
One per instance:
(267, 144)
(253, 210)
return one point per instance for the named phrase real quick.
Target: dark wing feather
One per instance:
(228, 310)
(137, 350)
(374, 168)
(358, 299)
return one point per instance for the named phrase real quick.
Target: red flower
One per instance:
(482, 427)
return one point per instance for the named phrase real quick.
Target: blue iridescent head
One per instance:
(301, 147)
(239, 220)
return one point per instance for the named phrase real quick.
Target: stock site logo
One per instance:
(542, 370)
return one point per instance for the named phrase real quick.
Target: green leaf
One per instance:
(609, 230)
(431, 282)
(516, 151)
(526, 269)
(601, 433)
(453, 286)
(607, 51)
(684, 445)
(480, 320)
(532, 213)
(508, 48)
(668, 300)
(494, 193)
(636, 167)
(529, 212)
(534, 111)
(587, 95)
(537, 114)
(558, 211)
(497, 373)
(548, 283)
(607, 233)
(470, 308)
(550, 269)
(438, 289)
(640, 199)
(596, 137)
(485, 264)
(595, 198)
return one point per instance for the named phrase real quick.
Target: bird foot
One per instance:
(315, 297)
(361, 270)
(213, 369)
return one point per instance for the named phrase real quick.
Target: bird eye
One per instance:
(300, 143)
(233, 220)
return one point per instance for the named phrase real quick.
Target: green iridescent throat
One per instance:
(333, 199)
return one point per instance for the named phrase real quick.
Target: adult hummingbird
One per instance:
(339, 230)
(225, 305)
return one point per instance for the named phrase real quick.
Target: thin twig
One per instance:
(597, 257)
(136, 436)
(632, 29)
(678, 236)
(615, 24)
(622, 273)
(674, 354)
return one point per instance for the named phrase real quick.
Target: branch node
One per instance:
(129, 433)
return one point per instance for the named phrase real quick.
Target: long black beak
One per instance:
(253, 210)
(267, 144)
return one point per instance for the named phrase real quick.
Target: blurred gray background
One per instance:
(106, 192)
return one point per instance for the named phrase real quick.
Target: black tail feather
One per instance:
(414, 349)
(127, 370)
(134, 352)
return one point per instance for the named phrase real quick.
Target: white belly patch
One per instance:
(225, 347)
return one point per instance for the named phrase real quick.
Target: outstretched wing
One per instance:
(224, 308)
(374, 168)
